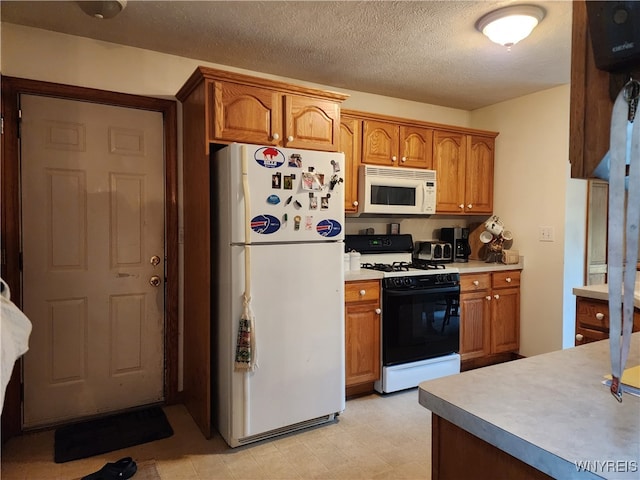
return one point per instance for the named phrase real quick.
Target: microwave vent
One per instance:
(394, 172)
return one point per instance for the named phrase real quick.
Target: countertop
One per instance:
(472, 266)
(549, 411)
(601, 292)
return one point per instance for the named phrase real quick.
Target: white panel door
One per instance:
(92, 219)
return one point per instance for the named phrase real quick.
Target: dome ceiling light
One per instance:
(507, 26)
(103, 10)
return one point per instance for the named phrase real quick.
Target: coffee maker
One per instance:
(458, 237)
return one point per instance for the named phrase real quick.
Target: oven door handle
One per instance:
(414, 291)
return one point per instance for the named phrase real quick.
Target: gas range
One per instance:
(392, 256)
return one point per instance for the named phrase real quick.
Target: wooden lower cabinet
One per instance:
(482, 461)
(592, 320)
(489, 314)
(362, 335)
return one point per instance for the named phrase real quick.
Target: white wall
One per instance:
(531, 182)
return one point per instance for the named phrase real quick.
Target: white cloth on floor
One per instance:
(14, 335)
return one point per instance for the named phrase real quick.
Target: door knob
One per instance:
(155, 260)
(155, 281)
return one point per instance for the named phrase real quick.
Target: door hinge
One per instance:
(19, 123)
(1, 125)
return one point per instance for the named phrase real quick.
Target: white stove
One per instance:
(420, 312)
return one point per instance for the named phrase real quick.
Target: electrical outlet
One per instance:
(546, 234)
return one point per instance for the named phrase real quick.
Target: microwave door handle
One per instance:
(424, 196)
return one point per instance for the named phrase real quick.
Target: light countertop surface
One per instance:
(601, 292)
(549, 411)
(472, 266)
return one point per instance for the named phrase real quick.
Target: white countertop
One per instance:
(548, 410)
(601, 292)
(472, 266)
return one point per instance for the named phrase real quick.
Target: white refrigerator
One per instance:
(283, 210)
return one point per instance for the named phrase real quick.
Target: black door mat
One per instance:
(93, 437)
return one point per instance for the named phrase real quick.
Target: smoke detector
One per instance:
(103, 10)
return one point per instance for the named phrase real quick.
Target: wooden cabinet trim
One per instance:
(417, 123)
(201, 73)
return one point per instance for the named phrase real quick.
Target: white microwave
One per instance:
(396, 190)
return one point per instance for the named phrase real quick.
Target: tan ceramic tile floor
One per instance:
(377, 437)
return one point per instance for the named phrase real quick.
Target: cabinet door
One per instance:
(350, 134)
(311, 123)
(380, 143)
(479, 175)
(362, 335)
(505, 320)
(449, 152)
(245, 114)
(416, 147)
(475, 313)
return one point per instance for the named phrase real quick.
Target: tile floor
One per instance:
(376, 437)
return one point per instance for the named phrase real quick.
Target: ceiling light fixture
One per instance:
(507, 26)
(103, 10)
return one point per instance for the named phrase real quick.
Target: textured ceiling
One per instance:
(424, 51)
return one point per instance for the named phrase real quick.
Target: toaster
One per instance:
(432, 252)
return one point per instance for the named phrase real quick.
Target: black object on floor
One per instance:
(123, 469)
(93, 437)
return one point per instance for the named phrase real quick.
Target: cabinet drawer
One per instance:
(362, 291)
(592, 315)
(475, 281)
(510, 278)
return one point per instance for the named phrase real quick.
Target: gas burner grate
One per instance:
(388, 267)
(428, 266)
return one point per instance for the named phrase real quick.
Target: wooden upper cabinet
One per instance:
(449, 156)
(389, 144)
(464, 172)
(380, 143)
(245, 114)
(241, 108)
(350, 136)
(416, 147)
(311, 123)
(479, 175)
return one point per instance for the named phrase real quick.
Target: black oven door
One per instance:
(418, 324)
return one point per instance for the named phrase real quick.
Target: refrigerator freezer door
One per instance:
(295, 195)
(297, 298)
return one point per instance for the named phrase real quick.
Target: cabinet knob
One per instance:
(355, 204)
(599, 315)
(276, 136)
(497, 297)
(508, 279)
(579, 337)
(461, 206)
(403, 159)
(469, 206)
(488, 297)
(363, 293)
(394, 158)
(476, 283)
(378, 311)
(290, 138)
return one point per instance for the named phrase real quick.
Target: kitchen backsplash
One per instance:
(421, 228)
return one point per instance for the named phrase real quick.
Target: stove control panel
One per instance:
(435, 280)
